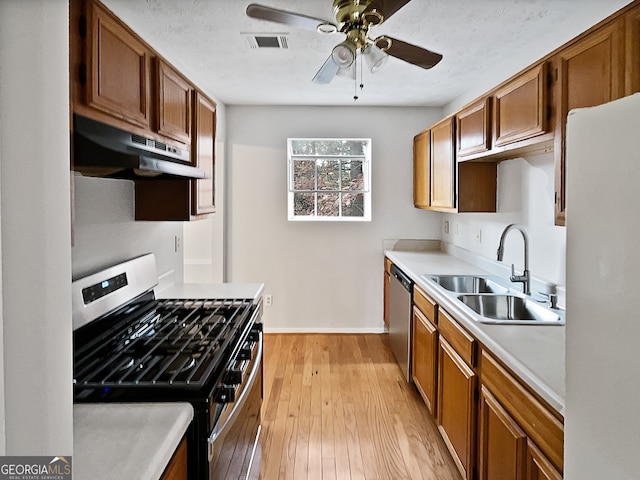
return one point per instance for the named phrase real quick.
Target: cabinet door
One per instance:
(502, 443)
(174, 104)
(632, 51)
(590, 72)
(118, 69)
(204, 154)
(424, 358)
(443, 165)
(538, 466)
(177, 468)
(421, 184)
(473, 128)
(456, 407)
(521, 107)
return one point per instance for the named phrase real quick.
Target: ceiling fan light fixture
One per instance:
(326, 28)
(375, 58)
(344, 54)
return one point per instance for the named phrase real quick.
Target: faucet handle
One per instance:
(550, 293)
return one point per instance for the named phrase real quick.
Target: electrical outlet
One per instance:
(268, 300)
(176, 243)
(479, 235)
(446, 227)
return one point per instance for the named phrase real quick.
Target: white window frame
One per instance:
(366, 192)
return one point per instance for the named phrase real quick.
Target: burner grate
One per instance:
(162, 343)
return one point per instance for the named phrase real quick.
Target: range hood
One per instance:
(100, 150)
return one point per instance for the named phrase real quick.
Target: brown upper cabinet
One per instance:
(421, 171)
(441, 183)
(443, 165)
(125, 83)
(203, 151)
(117, 68)
(527, 113)
(589, 72)
(174, 103)
(521, 110)
(473, 126)
(632, 51)
(118, 79)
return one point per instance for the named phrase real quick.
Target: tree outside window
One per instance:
(329, 179)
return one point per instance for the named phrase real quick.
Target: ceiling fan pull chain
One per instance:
(355, 81)
(361, 70)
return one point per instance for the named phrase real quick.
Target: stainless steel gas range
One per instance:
(132, 347)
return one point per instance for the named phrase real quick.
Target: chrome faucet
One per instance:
(525, 278)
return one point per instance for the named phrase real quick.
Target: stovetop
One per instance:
(170, 347)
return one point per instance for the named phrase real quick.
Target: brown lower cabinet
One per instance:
(424, 361)
(387, 279)
(456, 407)
(502, 444)
(457, 387)
(494, 426)
(177, 467)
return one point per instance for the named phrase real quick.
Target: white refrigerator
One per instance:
(602, 415)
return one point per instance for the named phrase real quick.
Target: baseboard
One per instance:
(376, 330)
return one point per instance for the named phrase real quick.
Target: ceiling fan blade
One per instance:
(327, 71)
(288, 18)
(409, 53)
(386, 8)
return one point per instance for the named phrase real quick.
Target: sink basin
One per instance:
(468, 283)
(511, 309)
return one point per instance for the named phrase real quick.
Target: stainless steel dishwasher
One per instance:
(400, 291)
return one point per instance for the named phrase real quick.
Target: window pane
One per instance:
(328, 175)
(353, 205)
(328, 204)
(328, 147)
(304, 175)
(304, 204)
(352, 178)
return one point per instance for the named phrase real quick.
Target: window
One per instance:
(329, 179)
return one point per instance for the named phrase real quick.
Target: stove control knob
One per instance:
(233, 376)
(254, 334)
(245, 353)
(225, 394)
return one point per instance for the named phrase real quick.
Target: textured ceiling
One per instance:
(483, 43)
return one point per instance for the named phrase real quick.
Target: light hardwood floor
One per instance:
(337, 407)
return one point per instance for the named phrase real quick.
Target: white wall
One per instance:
(323, 276)
(602, 425)
(526, 197)
(35, 202)
(106, 233)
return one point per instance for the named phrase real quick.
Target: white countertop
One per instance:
(126, 440)
(534, 353)
(212, 291)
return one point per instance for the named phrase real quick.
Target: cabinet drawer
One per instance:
(538, 422)
(459, 339)
(427, 306)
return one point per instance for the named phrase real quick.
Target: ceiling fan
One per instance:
(353, 18)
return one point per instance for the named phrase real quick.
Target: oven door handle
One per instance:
(238, 404)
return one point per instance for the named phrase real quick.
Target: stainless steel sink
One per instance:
(468, 283)
(511, 309)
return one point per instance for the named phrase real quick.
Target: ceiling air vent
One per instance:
(267, 40)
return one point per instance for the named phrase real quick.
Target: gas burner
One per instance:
(126, 365)
(182, 364)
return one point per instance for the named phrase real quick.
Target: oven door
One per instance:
(234, 451)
